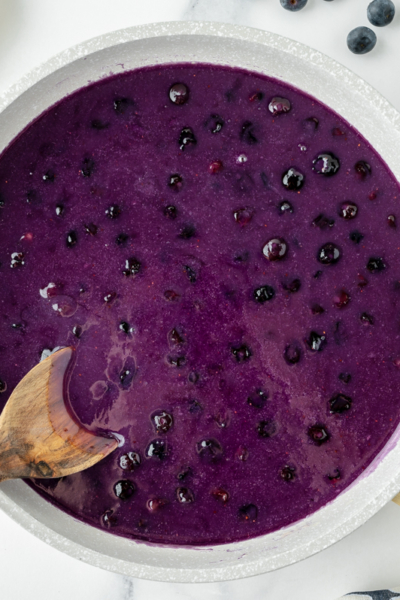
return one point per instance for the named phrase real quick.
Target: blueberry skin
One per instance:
(381, 12)
(293, 5)
(361, 40)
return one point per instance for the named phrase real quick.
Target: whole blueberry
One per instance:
(124, 489)
(329, 254)
(380, 12)
(361, 40)
(178, 93)
(293, 5)
(292, 179)
(326, 164)
(263, 294)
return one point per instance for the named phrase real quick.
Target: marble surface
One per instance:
(31, 31)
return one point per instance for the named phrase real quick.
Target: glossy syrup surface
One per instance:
(223, 253)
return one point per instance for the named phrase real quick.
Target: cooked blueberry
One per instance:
(177, 361)
(121, 239)
(376, 265)
(87, 167)
(392, 221)
(132, 267)
(109, 519)
(334, 476)
(175, 338)
(125, 327)
(341, 299)
(339, 403)
(186, 138)
(193, 377)
(184, 473)
(381, 12)
(194, 406)
(91, 228)
(266, 429)
(99, 125)
(242, 454)
(59, 210)
(248, 134)
(241, 257)
(153, 504)
(278, 106)
(249, 512)
(256, 97)
(17, 260)
(175, 182)
(3, 386)
(326, 164)
(49, 176)
(77, 331)
(292, 354)
(316, 341)
(317, 274)
(130, 461)
(124, 489)
(263, 294)
(72, 239)
(356, 237)
(348, 210)
(318, 434)
(215, 123)
(292, 179)
(323, 222)
(221, 495)
(361, 40)
(317, 309)
(367, 319)
(243, 216)
(157, 449)
(345, 377)
(215, 166)
(311, 124)
(362, 169)
(110, 297)
(127, 373)
(292, 286)
(113, 211)
(288, 473)
(258, 399)
(209, 449)
(362, 281)
(179, 93)
(337, 132)
(285, 207)
(191, 274)
(184, 495)
(241, 353)
(187, 232)
(162, 421)
(122, 105)
(275, 249)
(2, 200)
(32, 197)
(328, 254)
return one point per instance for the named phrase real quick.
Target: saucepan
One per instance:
(376, 120)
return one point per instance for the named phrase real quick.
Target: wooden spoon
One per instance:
(38, 436)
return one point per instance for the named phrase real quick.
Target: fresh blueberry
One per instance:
(356, 237)
(345, 377)
(328, 254)
(285, 207)
(248, 134)
(362, 169)
(17, 260)
(392, 221)
(288, 473)
(326, 164)
(275, 249)
(187, 232)
(241, 353)
(113, 211)
(292, 179)
(87, 167)
(323, 222)
(339, 403)
(341, 299)
(157, 449)
(278, 106)
(186, 138)
(318, 434)
(49, 176)
(316, 341)
(266, 429)
(215, 123)
(292, 286)
(381, 12)
(221, 495)
(3, 386)
(175, 182)
(376, 265)
(348, 210)
(258, 399)
(361, 40)
(124, 489)
(123, 105)
(171, 212)
(367, 319)
(263, 294)
(121, 239)
(209, 449)
(132, 267)
(99, 125)
(184, 495)
(243, 216)
(162, 421)
(72, 239)
(292, 354)
(130, 461)
(178, 93)
(293, 5)
(249, 512)
(91, 228)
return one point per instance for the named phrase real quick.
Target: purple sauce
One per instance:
(223, 255)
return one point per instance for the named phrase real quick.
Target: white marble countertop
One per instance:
(31, 31)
